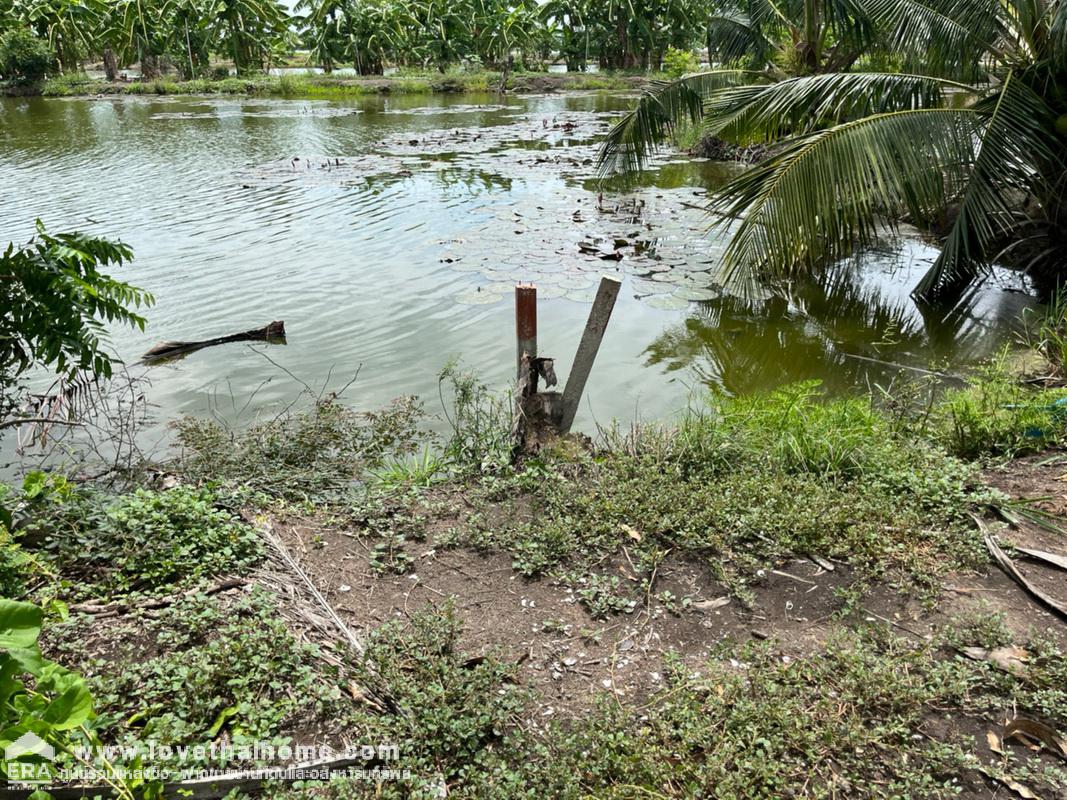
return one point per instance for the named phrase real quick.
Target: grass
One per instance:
(996, 415)
(335, 87)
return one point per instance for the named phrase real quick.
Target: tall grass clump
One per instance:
(995, 414)
(480, 422)
(291, 85)
(799, 431)
(1046, 334)
(67, 84)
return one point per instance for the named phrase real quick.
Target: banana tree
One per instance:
(140, 31)
(68, 25)
(971, 144)
(441, 30)
(500, 27)
(566, 19)
(248, 30)
(322, 25)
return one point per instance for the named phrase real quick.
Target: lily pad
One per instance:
(478, 298)
(668, 302)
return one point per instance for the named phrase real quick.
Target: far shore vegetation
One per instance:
(312, 86)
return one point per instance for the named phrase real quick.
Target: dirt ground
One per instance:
(568, 657)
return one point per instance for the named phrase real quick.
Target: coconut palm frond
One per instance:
(801, 105)
(768, 12)
(833, 189)
(1014, 150)
(850, 24)
(1057, 37)
(943, 37)
(658, 112)
(732, 36)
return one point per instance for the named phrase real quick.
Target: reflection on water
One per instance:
(388, 232)
(853, 327)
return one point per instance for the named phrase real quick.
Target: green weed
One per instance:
(480, 422)
(418, 471)
(994, 414)
(751, 724)
(1046, 333)
(142, 541)
(321, 453)
(202, 668)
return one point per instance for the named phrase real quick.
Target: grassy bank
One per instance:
(323, 86)
(750, 604)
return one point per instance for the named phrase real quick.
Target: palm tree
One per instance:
(969, 142)
(790, 36)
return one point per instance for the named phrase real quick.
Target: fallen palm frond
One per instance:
(1006, 564)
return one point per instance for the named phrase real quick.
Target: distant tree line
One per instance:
(189, 36)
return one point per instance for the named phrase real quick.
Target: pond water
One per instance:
(388, 234)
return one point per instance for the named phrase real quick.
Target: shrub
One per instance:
(54, 301)
(677, 63)
(319, 453)
(24, 58)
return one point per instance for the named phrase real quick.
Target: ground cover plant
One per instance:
(101, 545)
(201, 668)
(857, 719)
(752, 482)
